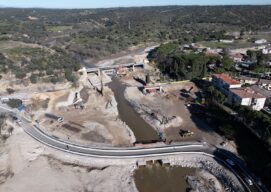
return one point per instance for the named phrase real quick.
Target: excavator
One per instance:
(185, 133)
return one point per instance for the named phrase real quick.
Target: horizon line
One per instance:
(116, 7)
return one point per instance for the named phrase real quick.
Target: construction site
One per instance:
(111, 106)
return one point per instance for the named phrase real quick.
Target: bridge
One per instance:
(112, 69)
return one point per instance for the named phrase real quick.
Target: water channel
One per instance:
(142, 130)
(154, 177)
(161, 178)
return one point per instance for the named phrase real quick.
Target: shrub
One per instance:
(14, 103)
(34, 78)
(10, 91)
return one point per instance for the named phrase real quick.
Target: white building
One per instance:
(246, 97)
(261, 41)
(248, 80)
(224, 83)
(226, 40)
(263, 92)
(265, 84)
(266, 51)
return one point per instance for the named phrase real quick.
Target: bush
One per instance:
(34, 78)
(10, 91)
(14, 103)
(69, 76)
(20, 74)
(45, 103)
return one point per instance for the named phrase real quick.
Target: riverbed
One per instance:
(154, 177)
(142, 130)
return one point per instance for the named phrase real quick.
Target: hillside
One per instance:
(92, 34)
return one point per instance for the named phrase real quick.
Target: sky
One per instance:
(121, 3)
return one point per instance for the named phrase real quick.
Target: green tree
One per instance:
(227, 63)
(14, 103)
(34, 78)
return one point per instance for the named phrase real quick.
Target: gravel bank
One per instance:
(225, 177)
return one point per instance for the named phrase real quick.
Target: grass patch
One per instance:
(235, 45)
(56, 28)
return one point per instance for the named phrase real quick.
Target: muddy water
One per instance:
(142, 130)
(154, 177)
(162, 178)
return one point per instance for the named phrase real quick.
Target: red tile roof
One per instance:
(227, 79)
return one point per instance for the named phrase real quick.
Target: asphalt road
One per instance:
(133, 152)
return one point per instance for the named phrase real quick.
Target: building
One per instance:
(248, 80)
(238, 57)
(264, 92)
(224, 83)
(266, 51)
(226, 40)
(246, 64)
(246, 97)
(265, 84)
(260, 41)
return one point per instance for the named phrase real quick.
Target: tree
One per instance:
(20, 74)
(227, 63)
(10, 91)
(69, 76)
(34, 78)
(14, 103)
(252, 55)
(214, 95)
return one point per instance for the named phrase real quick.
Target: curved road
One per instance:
(133, 152)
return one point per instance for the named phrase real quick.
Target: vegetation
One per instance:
(14, 103)
(259, 61)
(214, 96)
(180, 65)
(257, 121)
(58, 28)
(248, 145)
(45, 103)
(10, 91)
(72, 36)
(38, 62)
(96, 33)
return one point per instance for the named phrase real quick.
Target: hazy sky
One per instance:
(119, 3)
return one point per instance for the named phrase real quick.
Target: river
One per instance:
(160, 178)
(154, 177)
(143, 131)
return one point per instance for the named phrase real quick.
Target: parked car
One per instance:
(230, 162)
(248, 180)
